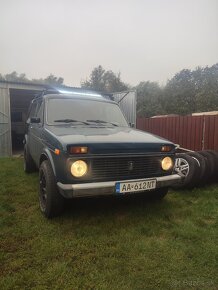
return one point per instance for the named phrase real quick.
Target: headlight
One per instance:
(79, 168)
(167, 163)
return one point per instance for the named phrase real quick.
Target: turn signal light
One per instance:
(166, 148)
(57, 152)
(78, 150)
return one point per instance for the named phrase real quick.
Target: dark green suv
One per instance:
(83, 146)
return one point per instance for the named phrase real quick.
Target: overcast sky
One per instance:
(142, 39)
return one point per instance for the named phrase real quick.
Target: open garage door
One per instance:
(19, 104)
(5, 123)
(127, 103)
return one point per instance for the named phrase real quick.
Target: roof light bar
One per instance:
(78, 93)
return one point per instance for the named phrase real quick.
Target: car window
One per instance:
(80, 111)
(39, 111)
(33, 110)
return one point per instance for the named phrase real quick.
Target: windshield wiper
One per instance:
(102, 122)
(71, 121)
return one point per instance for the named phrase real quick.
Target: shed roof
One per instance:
(35, 84)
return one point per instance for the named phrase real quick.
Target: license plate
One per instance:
(142, 185)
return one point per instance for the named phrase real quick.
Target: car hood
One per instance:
(108, 139)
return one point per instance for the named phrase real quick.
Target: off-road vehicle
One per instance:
(83, 146)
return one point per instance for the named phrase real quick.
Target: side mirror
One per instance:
(35, 120)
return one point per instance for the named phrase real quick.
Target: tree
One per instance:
(50, 80)
(179, 94)
(149, 99)
(96, 80)
(192, 91)
(187, 92)
(14, 76)
(104, 81)
(206, 88)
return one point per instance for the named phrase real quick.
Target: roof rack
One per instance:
(68, 90)
(46, 92)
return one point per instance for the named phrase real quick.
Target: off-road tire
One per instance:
(210, 165)
(50, 200)
(190, 180)
(202, 164)
(214, 154)
(28, 163)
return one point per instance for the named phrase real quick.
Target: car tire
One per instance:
(187, 167)
(202, 164)
(28, 163)
(157, 194)
(210, 165)
(214, 154)
(50, 200)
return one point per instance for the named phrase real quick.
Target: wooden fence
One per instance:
(191, 132)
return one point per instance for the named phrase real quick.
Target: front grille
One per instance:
(121, 168)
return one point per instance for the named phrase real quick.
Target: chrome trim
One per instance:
(108, 187)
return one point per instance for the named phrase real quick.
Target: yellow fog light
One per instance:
(167, 163)
(79, 168)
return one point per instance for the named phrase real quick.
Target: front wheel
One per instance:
(50, 200)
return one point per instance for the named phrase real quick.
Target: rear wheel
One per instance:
(50, 200)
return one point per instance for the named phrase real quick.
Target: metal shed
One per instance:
(15, 98)
(14, 102)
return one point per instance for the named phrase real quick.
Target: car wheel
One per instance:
(50, 200)
(188, 168)
(214, 154)
(202, 164)
(28, 163)
(210, 165)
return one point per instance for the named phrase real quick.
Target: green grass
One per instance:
(106, 243)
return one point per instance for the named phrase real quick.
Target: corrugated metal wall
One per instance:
(5, 123)
(127, 103)
(191, 132)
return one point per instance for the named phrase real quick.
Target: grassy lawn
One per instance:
(106, 243)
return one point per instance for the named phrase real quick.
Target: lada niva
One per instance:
(83, 146)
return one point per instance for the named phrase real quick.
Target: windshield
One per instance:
(79, 112)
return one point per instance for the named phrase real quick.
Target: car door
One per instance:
(29, 127)
(36, 132)
(39, 128)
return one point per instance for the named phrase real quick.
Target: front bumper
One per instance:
(108, 187)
